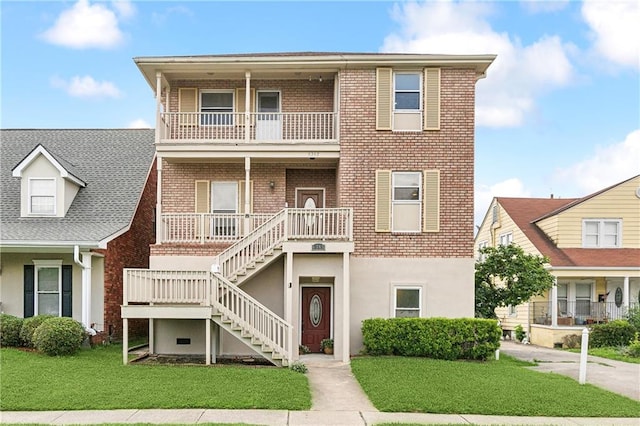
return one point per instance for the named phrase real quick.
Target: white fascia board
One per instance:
(40, 150)
(21, 246)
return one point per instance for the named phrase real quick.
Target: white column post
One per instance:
(86, 288)
(247, 106)
(158, 105)
(152, 340)
(159, 230)
(208, 342)
(554, 303)
(625, 294)
(125, 341)
(346, 319)
(247, 194)
(288, 301)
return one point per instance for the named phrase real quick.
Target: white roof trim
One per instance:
(41, 150)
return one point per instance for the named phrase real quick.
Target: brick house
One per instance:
(76, 208)
(301, 193)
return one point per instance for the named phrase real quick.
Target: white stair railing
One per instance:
(245, 311)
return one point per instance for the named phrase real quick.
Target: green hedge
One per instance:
(614, 333)
(439, 338)
(29, 327)
(59, 336)
(10, 327)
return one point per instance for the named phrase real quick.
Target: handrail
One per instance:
(251, 315)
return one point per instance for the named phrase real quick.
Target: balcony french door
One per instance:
(224, 199)
(268, 120)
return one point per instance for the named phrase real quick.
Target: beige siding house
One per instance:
(301, 193)
(593, 244)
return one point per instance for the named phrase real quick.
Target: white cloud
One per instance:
(124, 8)
(607, 165)
(87, 87)
(615, 30)
(519, 74)
(139, 124)
(159, 18)
(512, 187)
(86, 26)
(544, 6)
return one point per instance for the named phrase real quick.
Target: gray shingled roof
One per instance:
(114, 163)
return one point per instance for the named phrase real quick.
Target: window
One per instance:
(562, 299)
(583, 299)
(494, 214)
(506, 239)
(216, 108)
(224, 205)
(406, 91)
(42, 196)
(481, 245)
(48, 287)
(407, 302)
(601, 233)
(513, 310)
(406, 201)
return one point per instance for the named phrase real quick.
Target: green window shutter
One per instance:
(383, 201)
(67, 288)
(29, 288)
(202, 197)
(432, 99)
(384, 98)
(188, 103)
(431, 200)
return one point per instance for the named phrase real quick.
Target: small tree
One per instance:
(508, 276)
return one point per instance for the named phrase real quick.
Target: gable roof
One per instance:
(525, 212)
(114, 164)
(66, 169)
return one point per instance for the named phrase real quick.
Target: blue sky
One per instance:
(559, 111)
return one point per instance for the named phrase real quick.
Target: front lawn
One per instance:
(610, 353)
(95, 379)
(504, 387)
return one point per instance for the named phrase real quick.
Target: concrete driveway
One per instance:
(615, 376)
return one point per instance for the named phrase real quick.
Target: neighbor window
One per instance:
(583, 299)
(407, 302)
(42, 196)
(216, 108)
(601, 233)
(406, 91)
(562, 292)
(506, 239)
(48, 288)
(406, 201)
(482, 245)
(513, 310)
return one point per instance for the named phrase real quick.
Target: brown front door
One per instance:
(316, 316)
(310, 198)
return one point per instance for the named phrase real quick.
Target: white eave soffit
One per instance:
(41, 150)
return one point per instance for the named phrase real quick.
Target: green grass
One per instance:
(503, 387)
(610, 353)
(96, 379)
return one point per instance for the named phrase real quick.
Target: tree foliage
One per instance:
(508, 276)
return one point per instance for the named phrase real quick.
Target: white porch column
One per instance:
(346, 319)
(247, 194)
(207, 349)
(152, 342)
(625, 294)
(288, 301)
(159, 233)
(86, 288)
(554, 303)
(247, 106)
(158, 105)
(125, 341)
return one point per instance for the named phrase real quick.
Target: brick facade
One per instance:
(129, 250)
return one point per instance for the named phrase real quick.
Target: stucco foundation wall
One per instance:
(548, 337)
(167, 332)
(447, 288)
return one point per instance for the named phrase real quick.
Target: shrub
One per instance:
(520, 333)
(59, 336)
(10, 330)
(633, 350)
(633, 316)
(440, 338)
(614, 333)
(29, 326)
(298, 367)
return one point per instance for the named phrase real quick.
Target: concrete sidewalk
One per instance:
(288, 418)
(616, 376)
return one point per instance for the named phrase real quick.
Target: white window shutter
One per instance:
(432, 99)
(383, 201)
(202, 197)
(384, 98)
(188, 103)
(431, 201)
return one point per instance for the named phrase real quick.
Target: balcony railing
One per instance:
(577, 312)
(310, 224)
(287, 127)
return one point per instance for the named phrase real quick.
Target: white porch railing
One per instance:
(207, 227)
(180, 287)
(230, 126)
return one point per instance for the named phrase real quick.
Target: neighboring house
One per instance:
(593, 246)
(76, 207)
(301, 193)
